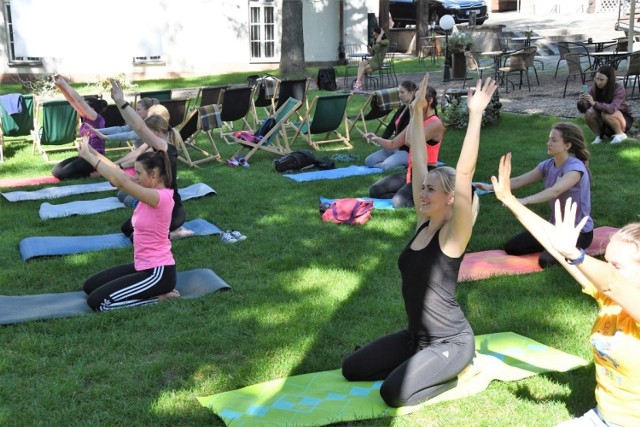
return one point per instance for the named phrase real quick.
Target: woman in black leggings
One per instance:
(424, 359)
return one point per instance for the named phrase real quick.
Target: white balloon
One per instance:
(446, 22)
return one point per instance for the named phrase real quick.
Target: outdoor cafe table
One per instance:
(612, 58)
(526, 40)
(497, 56)
(598, 45)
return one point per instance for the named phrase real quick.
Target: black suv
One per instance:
(403, 12)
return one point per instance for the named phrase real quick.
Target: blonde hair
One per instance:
(630, 233)
(157, 122)
(159, 110)
(447, 176)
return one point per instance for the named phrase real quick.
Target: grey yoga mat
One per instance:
(24, 308)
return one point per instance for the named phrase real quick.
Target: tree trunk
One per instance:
(383, 15)
(292, 63)
(422, 22)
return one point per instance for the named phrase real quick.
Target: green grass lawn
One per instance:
(304, 293)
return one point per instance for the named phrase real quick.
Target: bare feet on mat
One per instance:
(173, 294)
(179, 233)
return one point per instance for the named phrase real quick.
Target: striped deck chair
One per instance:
(325, 116)
(203, 119)
(275, 141)
(378, 106)
(55, 127)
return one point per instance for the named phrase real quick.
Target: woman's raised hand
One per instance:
(502, 184)
(116, 91)
(419, 100)
(565, 231)
(477, 101)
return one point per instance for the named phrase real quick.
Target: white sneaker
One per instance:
(598, 140)
(617, 139)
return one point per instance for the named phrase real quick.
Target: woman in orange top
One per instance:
(398, 186)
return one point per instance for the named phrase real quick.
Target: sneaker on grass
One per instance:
(618, 138)
(598, 140)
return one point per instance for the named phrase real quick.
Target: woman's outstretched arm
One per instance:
(134, 120)
(75, 99)
(461, 223)
(415, 136)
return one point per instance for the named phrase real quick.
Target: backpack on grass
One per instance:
(302, 160)
(348, 211)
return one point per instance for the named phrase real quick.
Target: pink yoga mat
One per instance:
(485, 264)
(22, 182)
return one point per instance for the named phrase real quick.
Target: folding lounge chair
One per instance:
(236, 106)
(271, 140)
(380, 104)
(160, 95)
(329, 113)
(210, 95)
(16, 124)
(177, 110)
(55, 125)
(266, 91)
(293, 89)
(112, 117)
(199, 120)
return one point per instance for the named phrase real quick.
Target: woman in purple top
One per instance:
(89, 110)
(566, 174)
(605, 109)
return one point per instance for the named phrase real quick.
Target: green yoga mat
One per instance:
(323, 398)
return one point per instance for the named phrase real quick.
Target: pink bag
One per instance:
(348, 211)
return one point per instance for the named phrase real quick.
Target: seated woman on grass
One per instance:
(614, 284)
(565, 175)
(412, 361)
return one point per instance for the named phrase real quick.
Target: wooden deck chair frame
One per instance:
(376, 111)
(324, 116)
(235, 106)
(194, 124)
(43, 125)
(271, 141)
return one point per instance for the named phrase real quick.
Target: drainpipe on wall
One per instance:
(342, 58)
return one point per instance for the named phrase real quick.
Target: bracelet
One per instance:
(97, 164)
(578, 260)
(124, 106)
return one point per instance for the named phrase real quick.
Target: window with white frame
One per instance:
(262, 30)
(11, 48)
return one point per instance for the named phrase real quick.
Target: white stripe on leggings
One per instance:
(138, 287)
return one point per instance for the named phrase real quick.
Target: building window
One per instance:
(11, 49)
(262, 30)
(148, 60)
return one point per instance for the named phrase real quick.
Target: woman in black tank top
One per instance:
(424, 359)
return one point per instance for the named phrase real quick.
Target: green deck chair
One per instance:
(15, 125)
(275, 141)
(56, 124)
(324, 116)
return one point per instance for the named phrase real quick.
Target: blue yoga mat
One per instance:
(56, 192)
(24, 308)
(88, 207)
(32, 247)
(352, 170)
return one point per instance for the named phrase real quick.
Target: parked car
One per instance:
(403, 12)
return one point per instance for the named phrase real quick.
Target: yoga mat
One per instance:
(55, 192)
(32, 247)
(485, 264)
(24, 308)
(377, 203)
(352, 170)
(323, 398)
(88, 207)
(22, 182)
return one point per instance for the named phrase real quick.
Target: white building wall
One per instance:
(199, 37)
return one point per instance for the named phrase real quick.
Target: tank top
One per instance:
(433, 148)
(429, 281)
